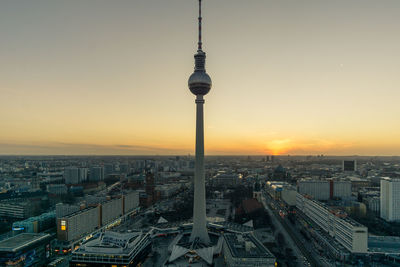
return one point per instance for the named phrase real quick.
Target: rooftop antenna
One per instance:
(199, 48)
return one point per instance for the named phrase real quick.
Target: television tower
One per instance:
(199, 84)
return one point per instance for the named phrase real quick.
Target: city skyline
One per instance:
(110, 79)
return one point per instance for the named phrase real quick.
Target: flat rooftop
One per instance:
(113, 243)
(20, 241)
(237, 245)
(78, 212)
(235, 227)
(334, 210)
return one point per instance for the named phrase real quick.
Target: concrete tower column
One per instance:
(199, 84)
(199, 205)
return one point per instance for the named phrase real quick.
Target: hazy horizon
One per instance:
(289, 77)
(192, 155)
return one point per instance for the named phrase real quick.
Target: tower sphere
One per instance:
(199, 83)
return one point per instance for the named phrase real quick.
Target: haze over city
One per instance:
(289, 77)
(199, 133)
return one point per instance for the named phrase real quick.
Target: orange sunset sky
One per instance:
(289, 77)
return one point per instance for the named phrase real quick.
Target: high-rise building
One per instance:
(76, 225)
(390, 199)
(340, 189)
(73, 221)
(83, 175)
(96, 174)
(124, 168)
(199, 84)
(349, 165)
(110, 210)
(325, 189)
(131, 201)
(63, 209)
(35, 182)
(150, 188)
(73, 175)
(318, 189)
(108, 169)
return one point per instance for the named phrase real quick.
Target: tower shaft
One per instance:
(199, 206)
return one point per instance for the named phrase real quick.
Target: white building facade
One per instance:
(390, 199)
(325, 189)
(316, 188)
(349, 233)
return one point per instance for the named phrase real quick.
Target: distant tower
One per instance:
(199, 84)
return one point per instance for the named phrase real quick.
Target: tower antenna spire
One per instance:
(199, 44)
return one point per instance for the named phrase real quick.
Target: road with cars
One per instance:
(304, 255)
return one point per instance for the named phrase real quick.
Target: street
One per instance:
(303, 256)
